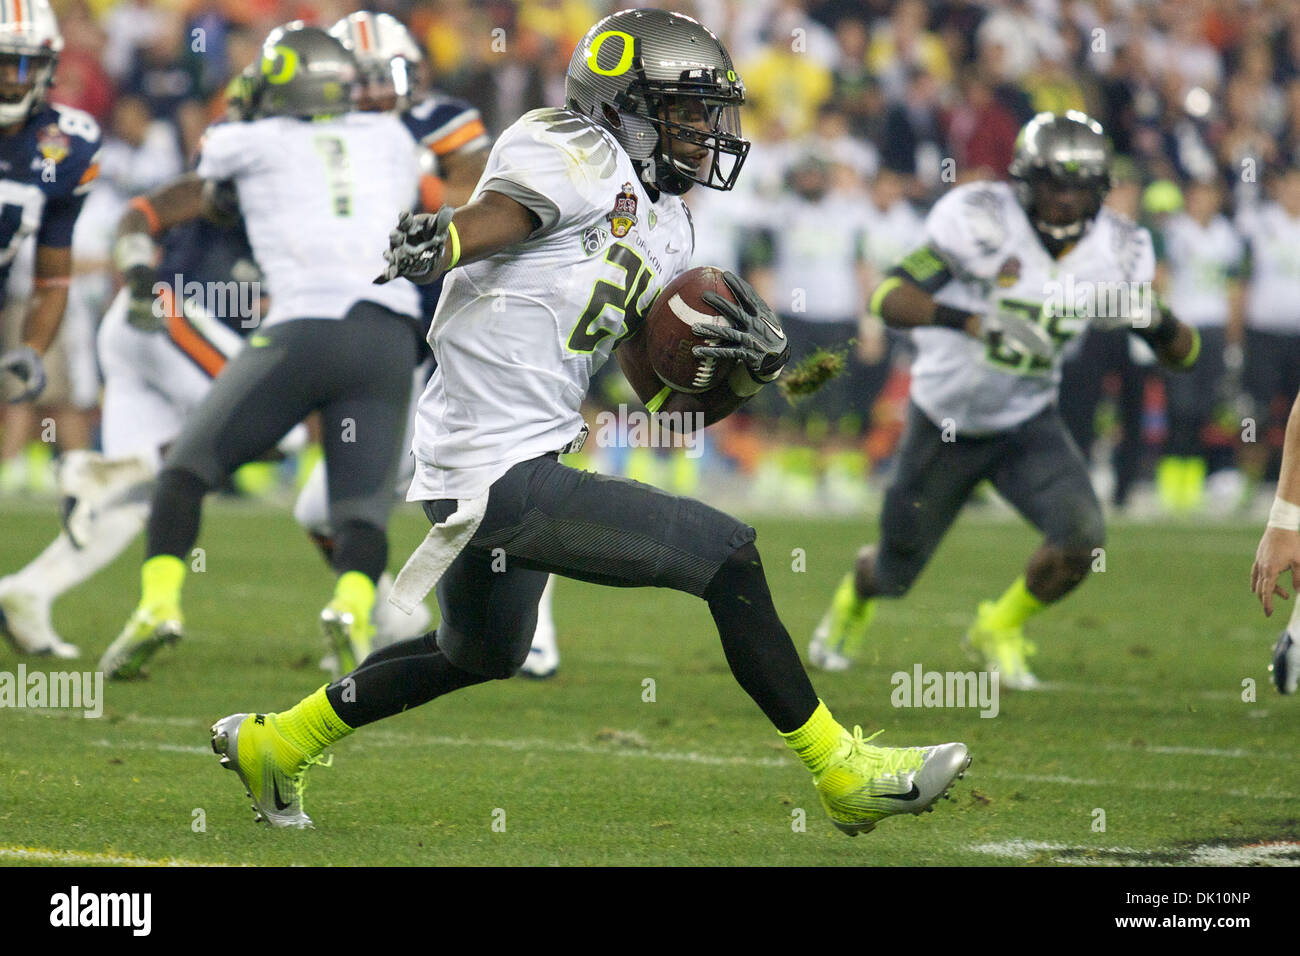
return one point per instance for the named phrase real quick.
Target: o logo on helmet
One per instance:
(288, 66)
(624, 61)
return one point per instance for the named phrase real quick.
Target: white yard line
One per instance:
(42, 855)
(1258, 854)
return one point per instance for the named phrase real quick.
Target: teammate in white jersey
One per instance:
(575, 226)
(1201, 260)
(1271, 372)
(1008, 275)
(318, 185)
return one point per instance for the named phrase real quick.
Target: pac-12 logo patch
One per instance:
(623, 216)
(52, 142)
(593, 237)
(1009, 273)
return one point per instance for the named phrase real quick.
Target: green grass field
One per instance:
(1144, 719)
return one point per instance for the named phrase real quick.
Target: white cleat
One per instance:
(25, 622)
(543, 658)
(1286, 663)
(820, 653)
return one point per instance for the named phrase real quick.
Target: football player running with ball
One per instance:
(544, 282)
(1009, 274)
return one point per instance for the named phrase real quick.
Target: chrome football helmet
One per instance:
(1061, 170)
(667, 90)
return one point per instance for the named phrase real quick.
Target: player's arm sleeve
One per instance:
(455, 127)
(545, 175)
(937, 261)
(62, 208)
(924, 267)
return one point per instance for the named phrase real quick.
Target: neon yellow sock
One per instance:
(308, 458)
(256, 479)
(311, 725)
(816, 740)
(1169, 483)
(357, 592)
(1015, 606)
(160, 581)
(39, 455)
(1194, 470)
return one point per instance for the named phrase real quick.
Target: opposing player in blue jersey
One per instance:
(47, 162)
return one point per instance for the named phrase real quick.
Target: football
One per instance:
(669, 336)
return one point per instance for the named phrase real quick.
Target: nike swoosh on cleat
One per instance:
(912, 794)
(281, 805)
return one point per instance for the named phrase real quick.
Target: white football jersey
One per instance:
(1201, 261)
(892, 233)
(817, 245)
(319, 200)
(999, 265)
(518, 335)
(1273, 295)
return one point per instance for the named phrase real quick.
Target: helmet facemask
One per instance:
(386, 86)
(698, 124)
(24, 78)
(1035, 195)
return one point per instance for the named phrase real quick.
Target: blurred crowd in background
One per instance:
(861, 112)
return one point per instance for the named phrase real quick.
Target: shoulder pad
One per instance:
(985, 213)
(577, 135)
(77, 123)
